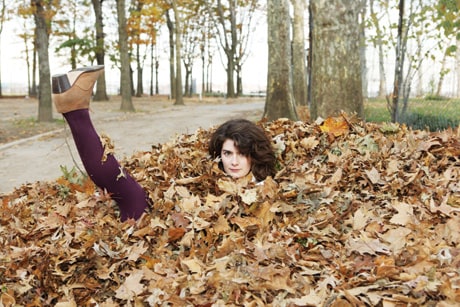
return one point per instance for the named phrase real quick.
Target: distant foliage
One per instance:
(435, 97)
(429, 122)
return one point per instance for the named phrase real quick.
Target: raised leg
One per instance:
(109, 175)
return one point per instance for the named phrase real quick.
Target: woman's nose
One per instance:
(235, 159)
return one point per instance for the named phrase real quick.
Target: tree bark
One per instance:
(230, 50)
(2, 21)
(298, 54)
(280, 99)
(101, 89)
(125, 75)
(336, 67)
(457, 68)
(394, 100)
(172, 58)
(363, 48)
(45, 111)
(179, 95)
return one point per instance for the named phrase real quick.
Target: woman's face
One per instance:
(235, 164)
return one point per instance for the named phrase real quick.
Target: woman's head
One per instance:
(242, 147)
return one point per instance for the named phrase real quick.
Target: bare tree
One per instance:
(363, 47)
(28, 37)
(230, 18)
(378, 42)
(177, 25)
(191, 40)
(101, 90)
(457, 68)
(125, 75)
(41, 12)
(172, 57)
(280, 99)
(393, 101)
(2, 21)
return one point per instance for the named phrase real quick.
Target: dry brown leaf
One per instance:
(363, 214)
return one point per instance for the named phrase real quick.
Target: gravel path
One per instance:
(39, 158)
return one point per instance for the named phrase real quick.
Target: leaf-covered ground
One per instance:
(357, 215)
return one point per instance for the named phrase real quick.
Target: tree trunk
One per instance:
(125, 75)
(280, 99)
(157, 68)
(45, 111)
(228, 39)
(239, 80)
(442, 74)
(179, 95)
(2, 20)
(298, 54)
(27, 58)
(34, 89)
(363, 50)
(188, 81)
(457, 69)
(172, 58)
(139, 59)
(336, 67)
(394, 100)
(140, 79)
(231, 51)
(101, 88)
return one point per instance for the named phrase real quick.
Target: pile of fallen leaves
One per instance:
(358, 215)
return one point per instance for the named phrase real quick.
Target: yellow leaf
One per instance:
(335, 125)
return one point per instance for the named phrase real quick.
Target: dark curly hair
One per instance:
(251, 141)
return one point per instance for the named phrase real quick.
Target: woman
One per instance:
(242, 146)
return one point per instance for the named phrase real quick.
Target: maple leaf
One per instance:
(336, 126)
(405, 214)
(374, 176)
(194, 265)
(365, 245)
(131, 287)
(107, 144)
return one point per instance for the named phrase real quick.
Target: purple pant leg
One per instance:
(124, 190)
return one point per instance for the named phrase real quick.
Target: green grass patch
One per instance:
(33, 122)
(430, 114)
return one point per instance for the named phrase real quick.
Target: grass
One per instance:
(422, 113)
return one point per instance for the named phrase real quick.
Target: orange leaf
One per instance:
(335, 125)
(175, 234)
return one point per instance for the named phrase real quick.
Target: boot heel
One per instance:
(60, 83)
(72, 91)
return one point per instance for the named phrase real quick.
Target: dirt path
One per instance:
(39, 158)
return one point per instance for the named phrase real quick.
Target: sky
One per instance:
(14, 71)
